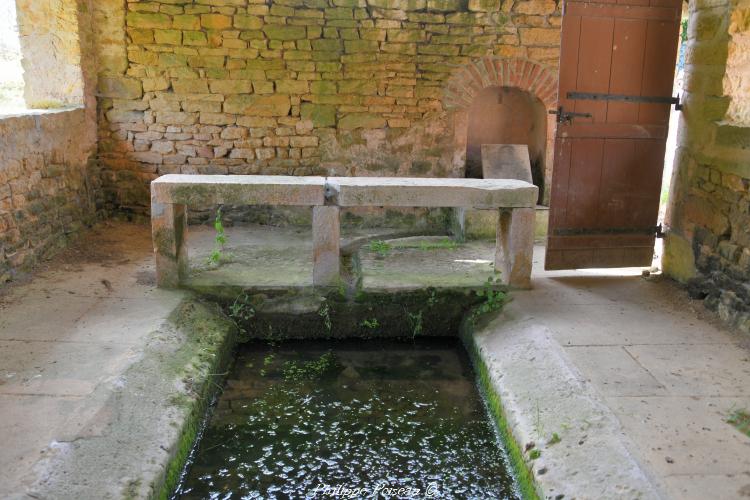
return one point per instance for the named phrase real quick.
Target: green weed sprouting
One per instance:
(444, 244)
(325, 313)
(741, 420)
(220, 240)
(415, 323)
(554, 439)
(382, 248)
(493, 299)
(371, 323)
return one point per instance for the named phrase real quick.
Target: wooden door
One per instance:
(617, 66)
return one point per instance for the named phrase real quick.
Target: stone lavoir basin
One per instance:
(350, 419)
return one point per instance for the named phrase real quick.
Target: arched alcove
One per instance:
(526, 80)
(507, 115)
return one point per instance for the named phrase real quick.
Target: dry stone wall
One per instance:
(708, 244)
(47, 185)
(300, 87)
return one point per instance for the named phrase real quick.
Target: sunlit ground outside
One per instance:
(11, 72)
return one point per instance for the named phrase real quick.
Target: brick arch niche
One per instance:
(474, 81)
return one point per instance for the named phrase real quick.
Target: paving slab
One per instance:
(685, 435)
(46, 368)
(703, 486)
(615, 371)
(697, 369)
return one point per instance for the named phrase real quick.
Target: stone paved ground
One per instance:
(660, 363)
(655, 359)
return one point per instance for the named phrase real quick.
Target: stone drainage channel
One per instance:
(383, 401)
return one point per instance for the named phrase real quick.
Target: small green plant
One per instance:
(328, 364)
(740, 418)
(325, 313)
(445, 244)
(538, 425)
(415, 323)
(371, 323)
(220, 240)
(493, 299)
(432, 300)
(382, 248)
(554, 439)
(534, 454)
(241, 309)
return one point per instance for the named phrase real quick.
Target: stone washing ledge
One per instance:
(540, 393)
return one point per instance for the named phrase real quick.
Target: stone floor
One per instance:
(640, 351)
(653, 359)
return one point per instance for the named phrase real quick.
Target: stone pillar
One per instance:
(515, 246)
(169, 233)
(326, 241)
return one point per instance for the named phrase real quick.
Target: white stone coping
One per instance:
(344, 191)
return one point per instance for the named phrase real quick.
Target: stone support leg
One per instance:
(515, 246)
(326, 251)
(169, 232)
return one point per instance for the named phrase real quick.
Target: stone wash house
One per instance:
(185, 185)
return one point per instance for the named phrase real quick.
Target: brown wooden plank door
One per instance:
(617, 64)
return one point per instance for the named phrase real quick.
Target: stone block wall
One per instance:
(708, 243)
(301, 87)
(47, 185)
(49, 180)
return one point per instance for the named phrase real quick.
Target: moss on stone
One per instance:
(521, 470)
(199, 363)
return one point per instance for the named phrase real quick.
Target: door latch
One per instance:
(567, 116)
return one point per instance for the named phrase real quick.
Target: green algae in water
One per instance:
(390, 415)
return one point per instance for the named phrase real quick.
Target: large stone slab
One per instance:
(430, 192)
(506, 161)
(239, 189)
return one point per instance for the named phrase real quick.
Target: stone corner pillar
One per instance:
(169, 234)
